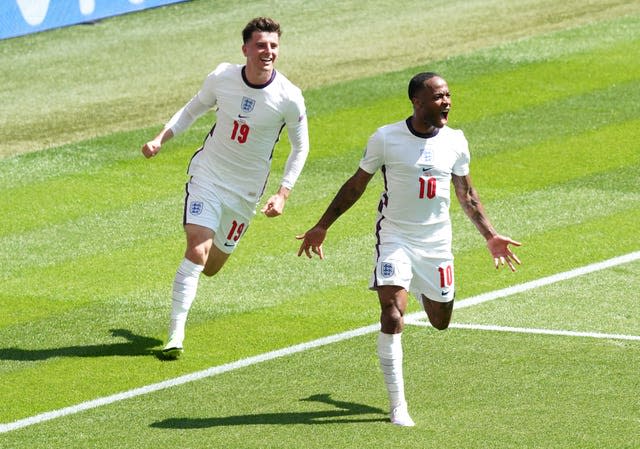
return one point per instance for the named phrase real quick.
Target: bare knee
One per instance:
(215, 261)
(393, 303)
(199, 242)
(207, 255)
(197, 254)
(439, 324)
(439, 313)
(202, 255)
(391, 319)
(202, 251)
(210, 270)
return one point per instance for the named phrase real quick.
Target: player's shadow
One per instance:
(344, 412)
(136, 345)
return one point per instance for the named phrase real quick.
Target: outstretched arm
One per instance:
(497, 244)
(346, 197)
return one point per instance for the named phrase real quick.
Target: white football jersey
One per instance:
(236, 154)
(416, 170)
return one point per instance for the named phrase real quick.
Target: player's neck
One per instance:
(421, 127)
(257, 77)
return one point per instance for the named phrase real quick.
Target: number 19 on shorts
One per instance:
(236, 231)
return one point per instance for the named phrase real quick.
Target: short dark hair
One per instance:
(261, 24)
(417, 82)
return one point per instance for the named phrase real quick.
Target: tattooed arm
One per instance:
(497, 244)
(349, 193)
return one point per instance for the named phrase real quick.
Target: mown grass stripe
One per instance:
(285, 352)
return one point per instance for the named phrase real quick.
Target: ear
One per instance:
(244, 49)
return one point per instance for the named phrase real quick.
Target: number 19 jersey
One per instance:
(237, 152)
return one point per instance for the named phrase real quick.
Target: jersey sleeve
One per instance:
(201, 102)
(297, 128)
(461, 165)
(185, 117)
(373, 157)
(207, 93)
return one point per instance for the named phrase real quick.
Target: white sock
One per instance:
(390, 355)
(185, 286)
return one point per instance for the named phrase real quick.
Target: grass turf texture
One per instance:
(90, 239)
(125, 73)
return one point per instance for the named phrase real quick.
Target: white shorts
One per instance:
(226, 214)
(415, 269)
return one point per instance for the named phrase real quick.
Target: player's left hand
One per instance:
(274, 206)
(312, 242)
(499, 247)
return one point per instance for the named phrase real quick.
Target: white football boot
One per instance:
(400, 416)
(173, 349)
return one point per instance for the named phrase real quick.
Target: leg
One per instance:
(439, 313)
(215, 261)
(393, 303)
(185, 285)
(199, 243)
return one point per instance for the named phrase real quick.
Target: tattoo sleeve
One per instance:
(470, 202)
(349, 193)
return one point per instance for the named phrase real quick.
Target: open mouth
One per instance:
(445, 114)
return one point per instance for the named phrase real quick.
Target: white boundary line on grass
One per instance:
(214, 371)
(527, 330)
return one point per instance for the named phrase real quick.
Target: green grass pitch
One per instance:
(90, 234)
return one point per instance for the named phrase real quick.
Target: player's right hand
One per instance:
(150, 149)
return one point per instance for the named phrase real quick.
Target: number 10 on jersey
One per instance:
(427, 187)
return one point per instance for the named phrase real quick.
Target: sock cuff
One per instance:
(189, 268)
(390, 345)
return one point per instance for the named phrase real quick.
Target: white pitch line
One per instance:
(210, 372)
(214, 371)
(526, 330)
(490, 296)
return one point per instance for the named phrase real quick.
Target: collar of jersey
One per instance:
(257, 86)
(418, 134)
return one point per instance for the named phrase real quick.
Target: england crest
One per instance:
(387, 269)
(247, 104)
(195, 207)
(426, 156)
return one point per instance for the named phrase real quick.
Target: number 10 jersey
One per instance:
(416, 171)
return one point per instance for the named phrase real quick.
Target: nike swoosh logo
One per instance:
(242, 116)
(229, 244)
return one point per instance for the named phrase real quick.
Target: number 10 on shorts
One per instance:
(446, 275)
